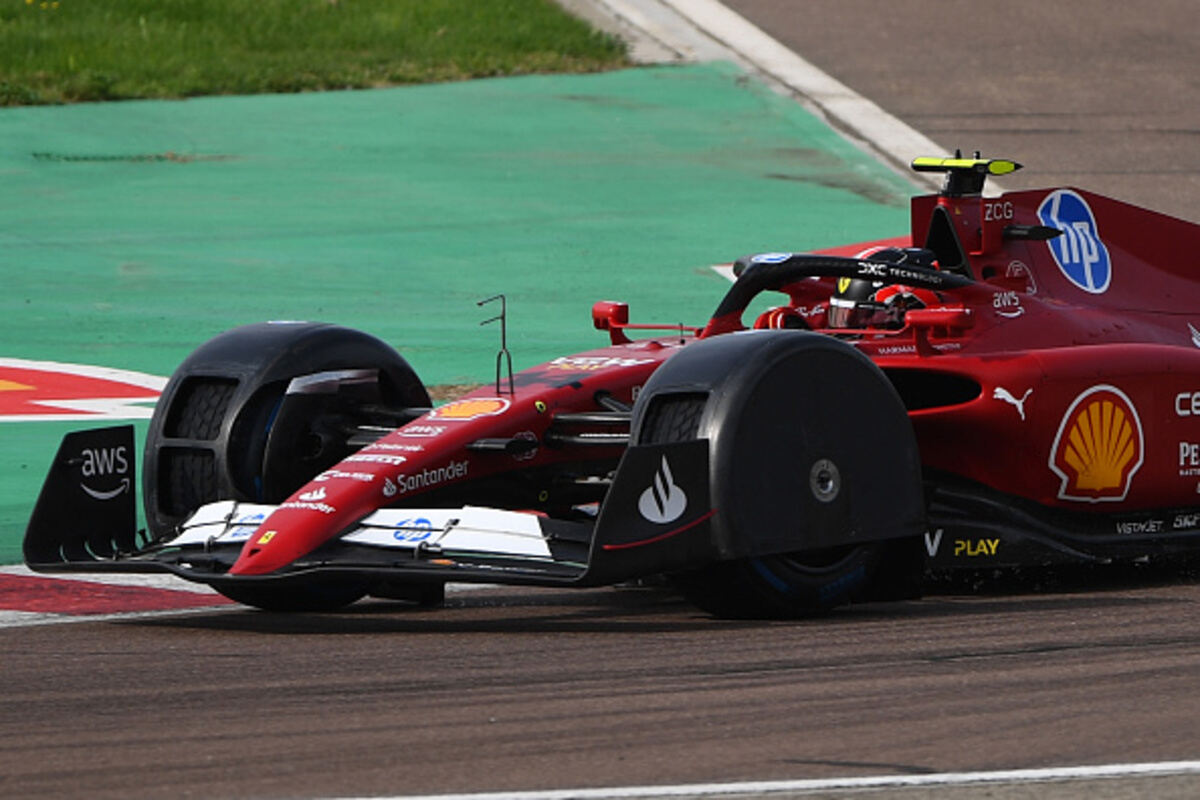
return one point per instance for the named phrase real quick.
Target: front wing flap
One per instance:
(83, 524)
(468, 544)
(85, 521)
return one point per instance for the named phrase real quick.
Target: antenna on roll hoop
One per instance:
(503, 354)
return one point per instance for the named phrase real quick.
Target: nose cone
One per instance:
(296, 528)
(259, 557)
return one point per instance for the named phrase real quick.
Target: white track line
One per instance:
(29, 619)
(91, 409)
(22, 619)
(1108, 771)
(145, 580)
(155, 382)
(845, 108)
(163, 580)
(706, 30)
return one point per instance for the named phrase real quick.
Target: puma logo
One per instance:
(1003, 394)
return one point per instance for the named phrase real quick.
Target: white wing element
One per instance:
(467, 529)
(470, 529)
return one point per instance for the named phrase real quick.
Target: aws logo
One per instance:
(103, 464)
(1099, 446)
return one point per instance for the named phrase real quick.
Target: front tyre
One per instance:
(815, 479)
(315, 595)
(782, 586)
(787, 586)
(255, 413)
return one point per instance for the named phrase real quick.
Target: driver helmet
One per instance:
(858, 303)
(852, 304)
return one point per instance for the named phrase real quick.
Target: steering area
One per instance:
(783, 272)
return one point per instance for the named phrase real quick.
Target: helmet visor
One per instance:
(853, 313)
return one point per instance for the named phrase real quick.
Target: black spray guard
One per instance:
(805, 443)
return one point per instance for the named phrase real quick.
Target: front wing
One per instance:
(79, 526)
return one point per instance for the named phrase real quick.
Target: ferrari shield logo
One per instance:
(1099, 446)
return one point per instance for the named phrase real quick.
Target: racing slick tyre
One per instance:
(790, 585)
(313, 595)
(814, 473)
(254, 413)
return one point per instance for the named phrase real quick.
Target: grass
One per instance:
(83, 50)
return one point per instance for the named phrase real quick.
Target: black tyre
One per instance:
(422, 595)
(785, 586)
(227, 426)
(810, 449)
(311, 596)
(256, 412)
(188, 477)
(790, 585)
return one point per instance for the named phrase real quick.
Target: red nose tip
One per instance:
(258, 558)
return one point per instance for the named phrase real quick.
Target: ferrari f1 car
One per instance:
(1015, 382)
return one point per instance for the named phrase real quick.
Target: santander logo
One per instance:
(663, 501)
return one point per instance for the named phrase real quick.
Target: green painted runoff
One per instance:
(131, 232)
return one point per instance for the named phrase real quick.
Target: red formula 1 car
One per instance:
(1016, 382)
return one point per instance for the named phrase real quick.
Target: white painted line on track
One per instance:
(658, 32)
(163, 580)
(12, 618)
(707, 30)
(146, 580)
(155, 382)
(943, 779)
(845, 108)
(29, 619)
(110, 398)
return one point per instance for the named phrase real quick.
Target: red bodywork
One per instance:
(431, 453)
(1066, 374)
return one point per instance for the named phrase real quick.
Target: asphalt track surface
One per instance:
(510, 690)
(1095, 94)
(518, 690)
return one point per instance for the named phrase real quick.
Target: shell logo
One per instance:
(462, 410)
(1099, 446)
